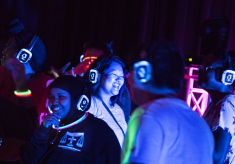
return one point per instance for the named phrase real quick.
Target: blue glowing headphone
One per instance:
(142, 71)
(25, 54)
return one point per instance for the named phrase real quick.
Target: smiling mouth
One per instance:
(116, 86)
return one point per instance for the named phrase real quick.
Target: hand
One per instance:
(51, 119)
(81, 68)
(61, 71)
(18, 71)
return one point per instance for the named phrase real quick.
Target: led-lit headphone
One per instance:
(81, 101)
(226, 74)
(25, 54)
(94, 74)
(142, 71)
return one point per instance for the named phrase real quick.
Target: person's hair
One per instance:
(101, 64)
(99, 45)
(167, 65)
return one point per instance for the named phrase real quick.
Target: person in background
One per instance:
(18, 121)
(69, 134)
(164, 129)
(220, 113)
(36, 80)
(107, 76)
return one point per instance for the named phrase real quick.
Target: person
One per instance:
(70, 134)
(92, 51)
(20, 39)
(220, 113)
(18, 122)
(20, 45)
(164, 129)
(106, 90)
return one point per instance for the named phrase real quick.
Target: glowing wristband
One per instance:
(23, 94)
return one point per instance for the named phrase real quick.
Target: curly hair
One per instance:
(101, 64)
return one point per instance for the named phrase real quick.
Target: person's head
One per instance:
(64, 95)
(111, 80)
(210, 75)
(167, 69)
(20, 38)
(93, 50)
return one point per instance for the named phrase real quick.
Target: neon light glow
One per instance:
(23, 94)
(73, 123)
(190, 59)
(89, 58)
(199, 104)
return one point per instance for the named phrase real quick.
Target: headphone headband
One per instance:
(25, 54)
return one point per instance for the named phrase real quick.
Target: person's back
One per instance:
(170, 133)
(164, 129)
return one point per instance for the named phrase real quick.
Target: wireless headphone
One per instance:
(25, 54)
(142, 71)
(94, 73)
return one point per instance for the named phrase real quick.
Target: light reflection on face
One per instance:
(59, 101)
(112, 79)
(10, 51)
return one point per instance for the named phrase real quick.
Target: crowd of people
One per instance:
(82, 115)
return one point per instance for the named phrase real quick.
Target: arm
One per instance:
(19, 77)
(140, 146)
(34, 150)
(225, 129)
(31, 152)
(222, 143)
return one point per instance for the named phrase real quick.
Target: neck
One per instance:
(105, 97)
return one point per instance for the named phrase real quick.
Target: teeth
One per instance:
(56, 108)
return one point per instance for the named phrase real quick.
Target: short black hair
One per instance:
(167, 65)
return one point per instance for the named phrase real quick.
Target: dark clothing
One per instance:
(125, 103)
(88, 142)
(17, 126)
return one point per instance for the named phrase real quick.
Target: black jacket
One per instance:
(90, 141)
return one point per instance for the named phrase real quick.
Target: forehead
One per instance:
(58, 91)
(93, 52)
(115, 66)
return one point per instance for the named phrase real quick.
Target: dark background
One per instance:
(65, 25)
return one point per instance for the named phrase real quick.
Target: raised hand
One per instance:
(61, 71)
(51, 119)
(18, 73)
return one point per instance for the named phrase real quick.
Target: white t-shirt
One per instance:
(223, 115)
(99, 111)
(167, 131)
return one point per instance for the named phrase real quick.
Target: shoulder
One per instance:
(229, 102)
(97, 123)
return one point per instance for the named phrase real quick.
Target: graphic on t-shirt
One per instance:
(72, 141)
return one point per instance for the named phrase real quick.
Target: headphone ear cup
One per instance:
(142, 71)
(93, 76)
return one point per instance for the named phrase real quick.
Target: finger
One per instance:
(55, 115)
(54, 71)
(66, 66)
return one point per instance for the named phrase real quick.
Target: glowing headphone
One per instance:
(142, 71)
(25, 54)
(94, 73)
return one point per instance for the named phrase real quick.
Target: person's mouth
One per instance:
(55, 109)
(116, 86)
